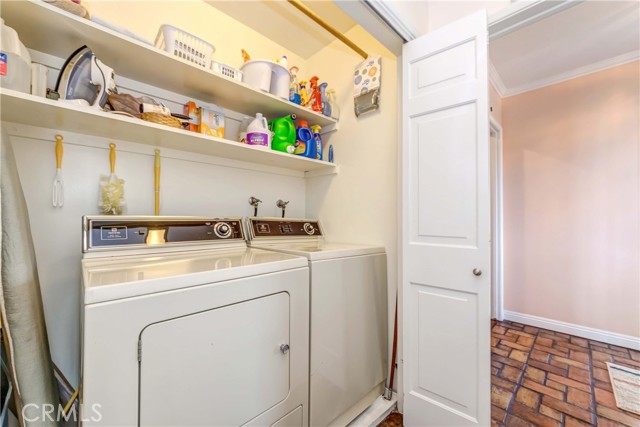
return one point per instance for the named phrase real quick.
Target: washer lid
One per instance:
(320, 250)
(106, 279)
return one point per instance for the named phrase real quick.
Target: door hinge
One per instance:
(139, 350)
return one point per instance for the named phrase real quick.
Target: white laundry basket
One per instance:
(184, 45)
(267, 76)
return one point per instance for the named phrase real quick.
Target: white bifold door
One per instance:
(446, 227)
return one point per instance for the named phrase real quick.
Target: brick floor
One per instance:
(545, 378)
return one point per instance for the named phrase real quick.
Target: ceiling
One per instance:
(287, 26)
(588, 37)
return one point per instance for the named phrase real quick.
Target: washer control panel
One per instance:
(274, 227)
(102, 232)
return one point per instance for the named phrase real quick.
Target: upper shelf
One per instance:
(32, 110)
(50, 30)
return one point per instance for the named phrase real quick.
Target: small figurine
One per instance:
(304, 95)
(315, 100)
(245, 56)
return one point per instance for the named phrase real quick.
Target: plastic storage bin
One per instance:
(267, 76)
(184, 45)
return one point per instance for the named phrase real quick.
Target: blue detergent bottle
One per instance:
(304, 141)
(317, 140)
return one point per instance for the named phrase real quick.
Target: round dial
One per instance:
(222, 230)
(308, 228)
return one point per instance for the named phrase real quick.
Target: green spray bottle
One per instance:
(284, 130)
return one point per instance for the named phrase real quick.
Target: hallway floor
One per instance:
(549, 379)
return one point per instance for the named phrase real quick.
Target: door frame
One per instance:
(497, 222)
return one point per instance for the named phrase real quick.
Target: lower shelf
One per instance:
(31, 110)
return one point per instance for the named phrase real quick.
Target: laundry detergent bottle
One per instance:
(258, 132)
(284, 134)
(317, 141)
(304, 141)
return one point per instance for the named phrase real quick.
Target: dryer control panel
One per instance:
(283, 228)
(108, 232)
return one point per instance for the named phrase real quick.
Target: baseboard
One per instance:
(580, 331)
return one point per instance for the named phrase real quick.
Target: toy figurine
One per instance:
(304, 95)
(315, 100)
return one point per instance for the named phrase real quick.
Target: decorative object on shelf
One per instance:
(58, 187)
(184, 45)
(284, 133)
(315, 98)
(156, 182)
(366, 85)
(85, 80)
(226, 71)
(112, 201)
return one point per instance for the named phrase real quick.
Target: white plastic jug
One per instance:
(258, 132)
(15, 61)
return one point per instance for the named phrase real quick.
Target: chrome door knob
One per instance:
(284, 348)
(477, 272)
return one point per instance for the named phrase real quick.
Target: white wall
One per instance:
(571, 201)
(360, 204)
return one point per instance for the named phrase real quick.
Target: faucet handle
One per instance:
(282, 205)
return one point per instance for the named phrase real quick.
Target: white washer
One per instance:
(183, 325)
(348, 320)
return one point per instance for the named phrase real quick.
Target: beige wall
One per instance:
(571, 208)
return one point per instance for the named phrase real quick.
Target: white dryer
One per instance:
(348, 321)
(183, 325)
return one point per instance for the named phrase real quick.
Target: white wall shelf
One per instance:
(50, 30)
(31, 110)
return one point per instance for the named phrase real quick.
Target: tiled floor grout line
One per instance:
(592, 384)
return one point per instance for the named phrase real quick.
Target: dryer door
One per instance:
(219, 367)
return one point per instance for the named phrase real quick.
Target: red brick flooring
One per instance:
(550, 379)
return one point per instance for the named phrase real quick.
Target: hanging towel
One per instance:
(21, 302)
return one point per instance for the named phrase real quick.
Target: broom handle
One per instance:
(112, 157)
(156, 170)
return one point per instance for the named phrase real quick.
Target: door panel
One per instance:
(446, 227)
(220, 367)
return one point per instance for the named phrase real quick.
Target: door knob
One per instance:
(284, 348)
(477, 272)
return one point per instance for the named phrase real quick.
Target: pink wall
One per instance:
(571, 201)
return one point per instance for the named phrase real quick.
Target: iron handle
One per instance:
(284, 348)
(477, 272)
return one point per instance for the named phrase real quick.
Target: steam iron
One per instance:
(85, 80)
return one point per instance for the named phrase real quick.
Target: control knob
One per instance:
(222, 230)
(308, 228)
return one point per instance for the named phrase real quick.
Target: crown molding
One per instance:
(575, 73)
(389, 16)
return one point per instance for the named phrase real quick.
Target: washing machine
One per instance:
(184, 325)
(348, 316)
